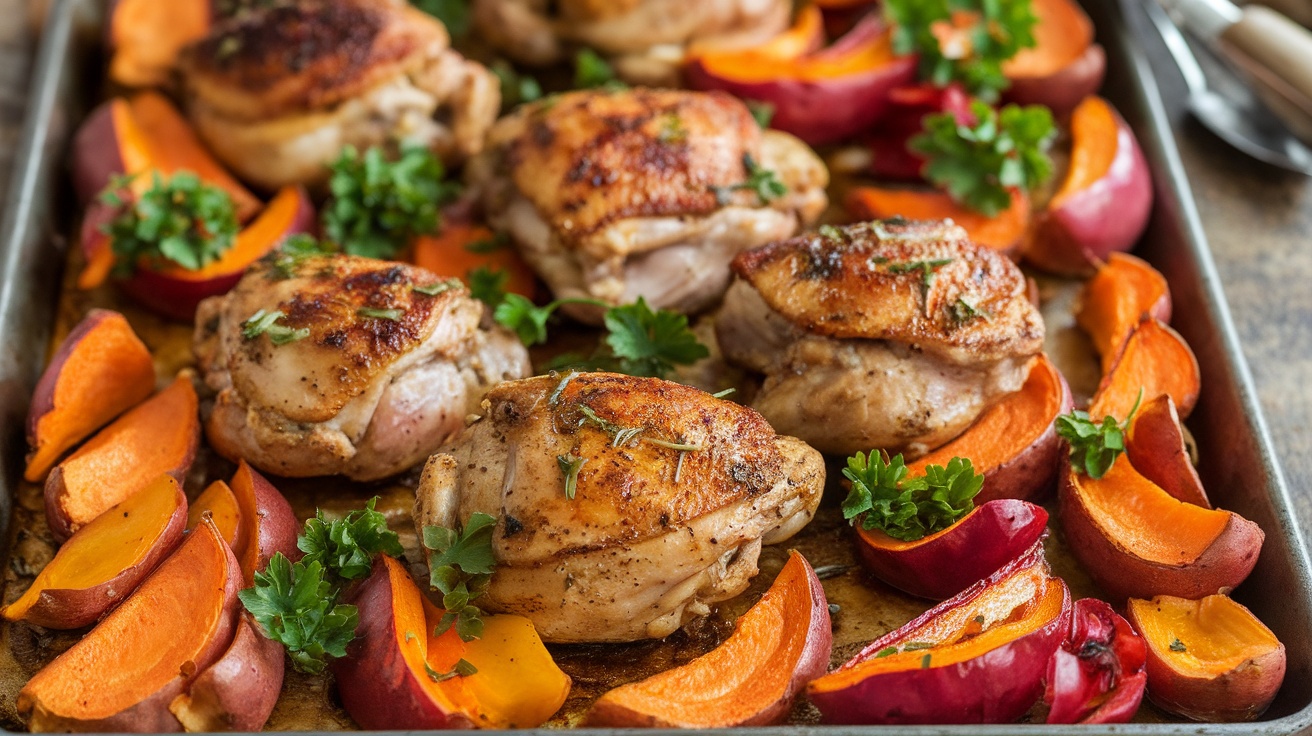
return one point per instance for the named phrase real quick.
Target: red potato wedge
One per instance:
(752, 679)
(384, 680)
(1156, 447)
(1096, 676)
(105, 560)
(147, 35)
(1137, 541)
(158, 437)
(947, 562)
(1123, 293)
(1103, 204)
(176, 292)
(821, 98)
(1155, 361)
(269, 525)
(220, 504)
(978, 657)
(123, 675)
(1208, 659)
(1063, 67)
(108, 143)
(1003, 232)
(99, 371)
(237, 692)
(1014, 443)
(449, 254)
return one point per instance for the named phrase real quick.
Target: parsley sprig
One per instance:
(454, 14)
(592, 71)
(378, 205)
(1095, 447)
(296, 603)
(179, 221)
(516, 87)
(760, 180)
(264, 322)
(460, 567)
(979, 165)
(287, 258)
(963, 40)
(908, 508)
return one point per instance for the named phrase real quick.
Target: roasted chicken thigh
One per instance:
(891, 334)
(645, 39)
(277, 93)
(624, 505)
(615, 195)
(338, 364)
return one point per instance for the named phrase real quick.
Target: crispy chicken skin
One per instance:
(645, 39)
(653, 534)
(361, 395)
(892, 334)
(614, 195)
(277, 94)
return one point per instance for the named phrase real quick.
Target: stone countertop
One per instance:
(1258, 220)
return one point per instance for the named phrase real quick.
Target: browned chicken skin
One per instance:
(676, 493)
(277, 94)
(615, 195)
(892, 334)
(646, 39)
(381, 376)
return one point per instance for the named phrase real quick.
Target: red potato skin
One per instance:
(1032, 474)
(95, 155)
(994, 534)
(1123, 575)
(377, 686)
(995, 687)
(1062, 90)
(71, 608)
(238, 692)
(1108, 216)
(177, 298)
(1156, 448)
(273, 527)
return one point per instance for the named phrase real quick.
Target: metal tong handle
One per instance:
(1194, 78)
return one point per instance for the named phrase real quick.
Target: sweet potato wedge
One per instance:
(460, 247)
(1124, 292)
(1003, 232)
(219, 502)
(100, 370)
(124, 674)
(105, 560)
(108, 143)
(268, 522)
(1155, 361)
(237, 692)
(157, 437)
(147, 35)
(1156, 448)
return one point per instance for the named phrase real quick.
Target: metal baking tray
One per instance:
(1238, 462)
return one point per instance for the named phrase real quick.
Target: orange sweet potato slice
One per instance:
(779, 645)
(157, 437)
(105, 560)
(220, 503)
(267, 521)
(100, 370)
(124, 674)
(1155, 361)
(147, 36)
(1156, 447)
(1003, 232)
(1124, 292)
(460, 248)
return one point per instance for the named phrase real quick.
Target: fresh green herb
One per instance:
(924, 661)
(590, 71)
(1095, 447)
(833, 233)
(266, 323)
(908, 508)
(570, 465)
(497, 242)
(454, 14)
(915, 646)
(346, 547)
(373, 313)
(460, 565)
(650, 343)
(962, 311)
(462, 669)
(377, 205)
(286, 260)
(885, 652)
(297, 608)
(516, 87)
(962, 40)
(488, 285)
(926, 269)
(1177, 646)
(441, 287)
(410, 636)
(672, 130)
(979, 619)
(621, 435)
(762, 112)
(724, 393)
(979, 165)
(527, 320)
(177, 222)
(763, 182)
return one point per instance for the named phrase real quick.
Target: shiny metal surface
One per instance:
(1238, 463)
